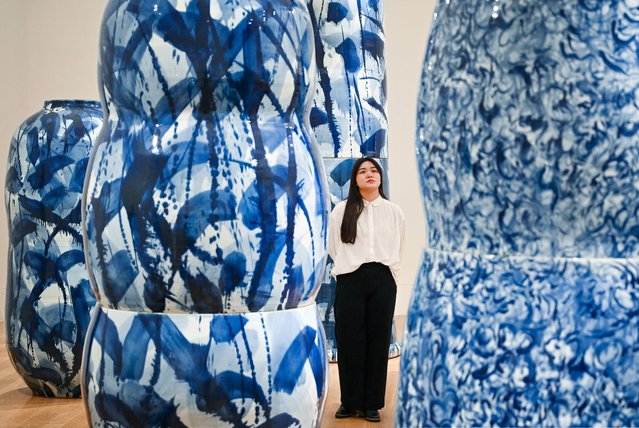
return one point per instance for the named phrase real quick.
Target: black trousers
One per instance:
(364, 307)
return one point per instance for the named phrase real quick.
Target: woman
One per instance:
(366, 240)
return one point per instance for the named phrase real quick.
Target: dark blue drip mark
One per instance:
(238, 355)
(325, 85)
(292, 279)
(358, 107)
(257, 391)
(269, 368)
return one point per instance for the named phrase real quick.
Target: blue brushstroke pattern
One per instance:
(205, 157)
(153, 364)
(351, 75)
(48, 292)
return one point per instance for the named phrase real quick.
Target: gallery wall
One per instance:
(49, 51)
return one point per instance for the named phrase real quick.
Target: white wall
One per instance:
(407, 25)
(12, 107)
(49, 51)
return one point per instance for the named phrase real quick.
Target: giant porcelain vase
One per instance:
(205, 218)
(348, 116)
(526, 310)
(48, 293)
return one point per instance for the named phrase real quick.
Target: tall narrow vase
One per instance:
(48, 292)
(205, 218)
(348, 116)
(525, 311)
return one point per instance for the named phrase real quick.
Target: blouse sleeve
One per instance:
(402, 235)
(333, 235)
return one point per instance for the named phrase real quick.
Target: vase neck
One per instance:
(51, 104)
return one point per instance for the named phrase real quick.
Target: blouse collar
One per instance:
(375, 202)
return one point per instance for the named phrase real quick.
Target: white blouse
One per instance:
(381, 232)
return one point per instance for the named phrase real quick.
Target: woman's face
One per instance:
(368, 177)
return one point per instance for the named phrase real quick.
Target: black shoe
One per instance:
(372, 416)
(345, 412)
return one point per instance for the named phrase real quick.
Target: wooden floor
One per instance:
(18, 408)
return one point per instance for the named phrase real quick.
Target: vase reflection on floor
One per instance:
(525, 308)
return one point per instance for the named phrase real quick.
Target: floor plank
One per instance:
(18, 408)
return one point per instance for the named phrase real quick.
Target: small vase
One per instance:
(48, 294)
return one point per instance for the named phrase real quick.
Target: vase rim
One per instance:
(55, 103)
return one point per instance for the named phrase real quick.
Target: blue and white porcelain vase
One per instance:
(206, 193)
(206, 205)
(252, 369)
(349, 110)
(48, 292)
(525, 310)
(349, 106)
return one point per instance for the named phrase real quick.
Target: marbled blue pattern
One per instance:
(527, 127)
(521, 341)
(206, 192)
(48, 292)
(526, 310)
(349, 110)
(265, 369)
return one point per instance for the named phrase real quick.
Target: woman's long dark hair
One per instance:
(355, 202)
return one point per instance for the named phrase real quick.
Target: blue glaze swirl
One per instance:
(527, 128)
(510, 341)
